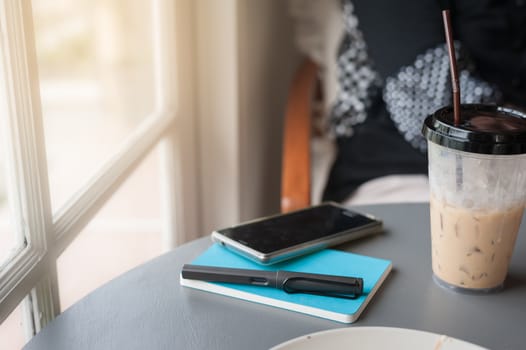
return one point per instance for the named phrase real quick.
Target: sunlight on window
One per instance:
(96, 75)
(12, 331)
(9, 243)
(124, 234)
(96, 78)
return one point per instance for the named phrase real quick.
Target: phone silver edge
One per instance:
(300, 249)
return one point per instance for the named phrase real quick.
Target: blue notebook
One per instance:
(328, 261)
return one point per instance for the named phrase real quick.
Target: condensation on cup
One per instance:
(477, 176)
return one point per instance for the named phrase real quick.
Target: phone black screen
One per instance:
(287, 230)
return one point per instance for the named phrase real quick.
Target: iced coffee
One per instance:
(477, 175)
(483, 242)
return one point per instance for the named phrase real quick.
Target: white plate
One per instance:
(375, 338)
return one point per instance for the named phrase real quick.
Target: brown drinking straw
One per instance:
(456, 89)
(453, 66)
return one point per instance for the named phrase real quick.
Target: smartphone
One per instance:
(276, 238)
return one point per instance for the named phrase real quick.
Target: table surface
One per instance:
(146, 308)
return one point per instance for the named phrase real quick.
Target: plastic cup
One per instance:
(477, 176)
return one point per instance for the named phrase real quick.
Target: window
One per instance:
(10, 241)
(96, 78)
(11, 330)
(47, 195)
(125, 233)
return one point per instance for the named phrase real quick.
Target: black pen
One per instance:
(290, 282)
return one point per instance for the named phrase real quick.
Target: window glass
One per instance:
(11, 330)
(124, 234)
(10, 241)
(96, 82)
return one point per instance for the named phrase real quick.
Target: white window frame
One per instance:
(33, 270)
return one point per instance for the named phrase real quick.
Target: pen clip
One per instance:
(324, 287)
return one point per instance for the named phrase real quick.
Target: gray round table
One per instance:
(146, 308)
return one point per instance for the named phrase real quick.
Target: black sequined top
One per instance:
(393, 72)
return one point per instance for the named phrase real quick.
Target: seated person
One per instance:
(394, 71)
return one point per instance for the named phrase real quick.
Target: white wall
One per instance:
(218, 112)
(267, 60)
(245, 62)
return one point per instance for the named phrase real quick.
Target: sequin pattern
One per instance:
(423, 87)
(359, 82)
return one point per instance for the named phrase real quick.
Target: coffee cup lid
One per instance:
(486, 129)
